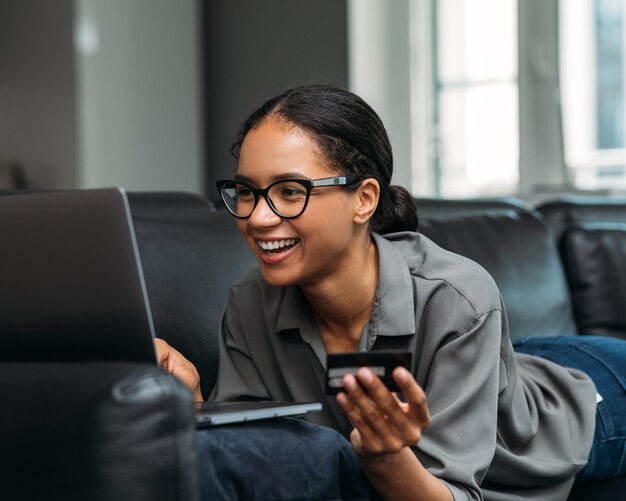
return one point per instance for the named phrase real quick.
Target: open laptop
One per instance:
(72, 289)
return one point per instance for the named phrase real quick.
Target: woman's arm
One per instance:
(385, 429)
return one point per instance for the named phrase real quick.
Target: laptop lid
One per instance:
(71, 283)
(219, 413)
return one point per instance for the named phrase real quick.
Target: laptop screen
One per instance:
(71, 283)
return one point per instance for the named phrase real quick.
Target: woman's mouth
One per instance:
(277, 246)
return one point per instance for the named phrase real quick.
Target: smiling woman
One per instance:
(313, 209)
(341, 268)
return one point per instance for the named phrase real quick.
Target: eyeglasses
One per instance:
(287, 198)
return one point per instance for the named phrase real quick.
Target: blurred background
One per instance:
(480, 97)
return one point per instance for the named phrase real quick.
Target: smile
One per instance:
(277, 245)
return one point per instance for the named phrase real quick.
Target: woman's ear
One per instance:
(367, 197)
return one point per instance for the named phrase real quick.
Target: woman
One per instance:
(312, 197)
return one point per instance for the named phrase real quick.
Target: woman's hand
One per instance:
(384, 429)
(173, 362)
(383, 424)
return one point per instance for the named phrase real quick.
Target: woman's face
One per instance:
(315, 243)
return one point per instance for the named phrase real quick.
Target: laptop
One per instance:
(72, 289)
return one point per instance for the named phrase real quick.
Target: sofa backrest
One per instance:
(515, 245)
(570, 212)
(591, 234)
(191, 254)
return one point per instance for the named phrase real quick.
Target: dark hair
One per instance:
(351, 136)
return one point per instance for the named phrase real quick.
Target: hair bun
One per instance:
(398, 214)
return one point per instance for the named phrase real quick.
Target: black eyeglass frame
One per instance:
(308, 184)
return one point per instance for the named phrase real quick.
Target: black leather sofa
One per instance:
(124, 430)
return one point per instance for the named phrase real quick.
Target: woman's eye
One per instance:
(244, 192)
(292, 191)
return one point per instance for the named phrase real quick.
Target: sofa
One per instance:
(125, 430)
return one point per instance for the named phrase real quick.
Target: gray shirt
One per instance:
(503, 426)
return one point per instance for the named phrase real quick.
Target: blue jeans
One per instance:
(604, 360)
(286, 459)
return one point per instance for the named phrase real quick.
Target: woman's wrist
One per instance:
(401, 476)
(379, 464)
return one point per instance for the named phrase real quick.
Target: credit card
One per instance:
(381, 363)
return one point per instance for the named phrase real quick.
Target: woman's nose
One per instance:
(263, 215)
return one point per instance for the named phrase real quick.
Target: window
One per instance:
(505, 96)
(592, 86)
(476, 97)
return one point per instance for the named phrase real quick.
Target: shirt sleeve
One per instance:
(461, 386)
(237, 377)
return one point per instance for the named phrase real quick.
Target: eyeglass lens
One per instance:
(287, 197)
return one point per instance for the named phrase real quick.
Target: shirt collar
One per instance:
(394, 295)
(393, 310)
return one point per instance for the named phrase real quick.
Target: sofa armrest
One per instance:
(98, 431)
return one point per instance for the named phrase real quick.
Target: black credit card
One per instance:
(381, 363)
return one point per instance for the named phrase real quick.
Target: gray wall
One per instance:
(129, 109)
(254, 50)
(37, 90)
(139, 94)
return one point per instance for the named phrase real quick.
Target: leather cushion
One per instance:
(595, 258)
(165, 203)
(446, 208)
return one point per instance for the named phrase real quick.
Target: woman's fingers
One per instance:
(162, 351)
(376, 434)
(409, 425)
(176, 364)
(385, 424)
(414, 396)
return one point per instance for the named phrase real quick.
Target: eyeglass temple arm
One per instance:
(330, 181)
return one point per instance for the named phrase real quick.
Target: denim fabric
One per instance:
(279, 459)
(604, 360)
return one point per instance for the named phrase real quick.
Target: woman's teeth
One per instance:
(276, 244)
